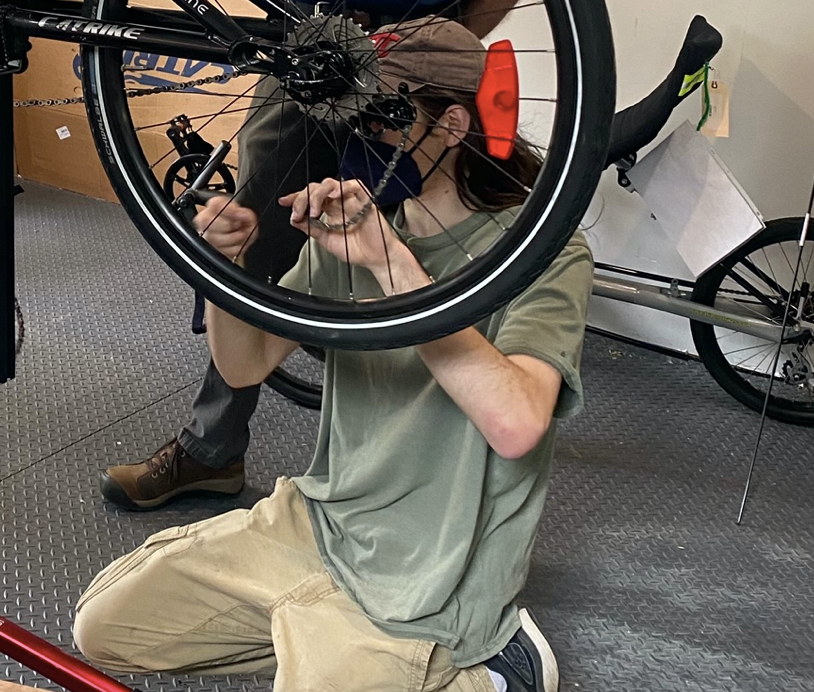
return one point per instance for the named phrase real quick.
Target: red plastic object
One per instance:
(498, 99)
(54, 664)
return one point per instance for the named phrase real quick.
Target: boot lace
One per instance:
(165, 460)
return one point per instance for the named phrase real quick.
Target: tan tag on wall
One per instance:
(718, 123)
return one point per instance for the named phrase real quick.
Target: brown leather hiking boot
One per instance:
(168, 473)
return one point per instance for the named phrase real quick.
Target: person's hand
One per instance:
(370, 243)
(227, 226)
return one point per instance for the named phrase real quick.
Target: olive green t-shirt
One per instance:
(417, 519)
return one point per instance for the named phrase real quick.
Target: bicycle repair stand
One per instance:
(7, 192)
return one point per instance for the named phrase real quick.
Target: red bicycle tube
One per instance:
(54, 664)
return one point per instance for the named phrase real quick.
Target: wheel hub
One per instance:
(335, 67)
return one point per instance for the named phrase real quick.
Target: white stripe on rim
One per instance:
(391, 322)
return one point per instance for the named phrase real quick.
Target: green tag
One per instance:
(691, 80)
(707, 102)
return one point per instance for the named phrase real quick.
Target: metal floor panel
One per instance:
(640, 577)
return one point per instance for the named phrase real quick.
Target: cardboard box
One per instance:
(54, 145)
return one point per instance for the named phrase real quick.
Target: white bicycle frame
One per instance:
(675, 301)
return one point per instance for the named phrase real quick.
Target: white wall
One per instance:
(768, 63)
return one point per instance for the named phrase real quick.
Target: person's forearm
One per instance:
(243, 355)
(497, 395)
(481, 16)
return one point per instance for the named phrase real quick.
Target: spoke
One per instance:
(769, 265)
(750, 357)
(253, 175)
(273, 199)
(407, 17)
(483, 157)
(762, 346)
(344, 218)
(748, 308)
(421, 203)
(281, 8)
(308, 188)
(786, 257)
(155, 163)
(808, 264)
(513, 51)
(192, 118)
(751, 290)
(760, 274)
(434, 121)
(769, 354)
(480, 135)
(424, 206)
(381, 225)
(469, 15)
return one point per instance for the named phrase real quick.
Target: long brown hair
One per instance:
(485, 182)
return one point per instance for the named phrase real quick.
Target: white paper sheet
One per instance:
(695, 199)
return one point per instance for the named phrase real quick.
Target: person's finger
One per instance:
(288, 200)
(319, 193)
(356, 189)
(299, 208)
(219, 216)
(311, 228)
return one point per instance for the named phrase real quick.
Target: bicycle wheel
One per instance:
(756, 281)
(567, 95)
(300, 378)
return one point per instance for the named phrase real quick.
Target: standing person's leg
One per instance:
(208, 452)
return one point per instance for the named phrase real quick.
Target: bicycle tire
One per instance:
(576, 156)
(735, 378)
(299, 381)
(300, 391)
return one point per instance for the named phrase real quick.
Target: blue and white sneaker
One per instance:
(527, 663)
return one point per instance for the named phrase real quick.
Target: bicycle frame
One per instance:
(199, 31)
(48, 660)
(679, 302)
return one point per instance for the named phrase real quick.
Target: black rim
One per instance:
(730, 377)
(200, 263)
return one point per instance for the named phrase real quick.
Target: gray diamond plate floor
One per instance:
(641, 577)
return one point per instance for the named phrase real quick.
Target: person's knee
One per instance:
(95, 635)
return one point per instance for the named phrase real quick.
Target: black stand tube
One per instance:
(7, 337)
(803, 236)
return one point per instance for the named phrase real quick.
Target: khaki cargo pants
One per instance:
(246, 592)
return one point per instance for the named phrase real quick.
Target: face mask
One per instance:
(367, 160)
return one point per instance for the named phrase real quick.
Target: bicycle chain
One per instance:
(225, 77)
(388, 174)
(135, 93)
(4, 56)
(18, 315)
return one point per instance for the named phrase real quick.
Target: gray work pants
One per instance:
(272, 163)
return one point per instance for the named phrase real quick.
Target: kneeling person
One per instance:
(396, 561)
